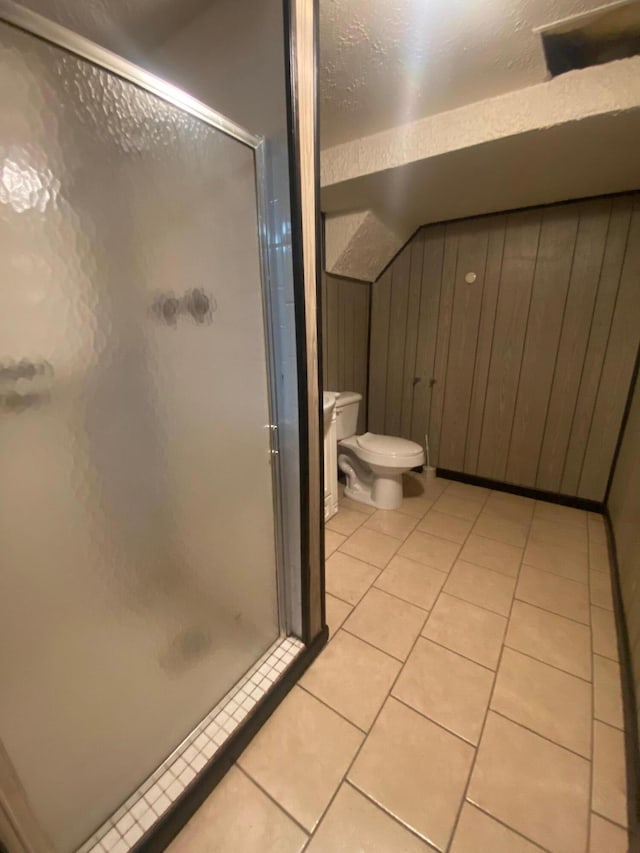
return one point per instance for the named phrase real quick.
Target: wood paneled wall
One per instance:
(522, 375)
(345, 338)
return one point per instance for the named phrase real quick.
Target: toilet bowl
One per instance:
(373, 464)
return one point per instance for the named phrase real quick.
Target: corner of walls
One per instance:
(360, 245)
(346, 313)
(622, 511)
(347, 299)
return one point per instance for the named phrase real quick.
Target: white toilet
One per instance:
(373, 464)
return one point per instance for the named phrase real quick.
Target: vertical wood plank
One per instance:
(447, 290)
(332, 340)
(433, 255)
(616, 372)
(467, 302)
(361, 337)
(325, 350)
(546, 312)
(496, 228)
(587, 264)
(615, 248)
(348, 298)
(411, 336)
(381, 303)
(400, 270)
(354, 338)
(518, 264)
(346, 340)
(521, 386)
(340, 291)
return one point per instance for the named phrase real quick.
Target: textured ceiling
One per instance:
(388, 62)
(125, 26)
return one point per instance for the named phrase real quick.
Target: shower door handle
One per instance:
(24, 384)
(200, 305)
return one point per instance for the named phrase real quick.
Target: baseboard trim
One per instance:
(629, 704)
(168, 827)
(523, 491)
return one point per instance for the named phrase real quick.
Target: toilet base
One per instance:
(387, 491)
(359, 495)
(376, 483)
(381, 492)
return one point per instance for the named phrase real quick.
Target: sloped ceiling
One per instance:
(399, 77)
(441, 109)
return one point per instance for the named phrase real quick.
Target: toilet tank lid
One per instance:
(389, 445)
(345, 398)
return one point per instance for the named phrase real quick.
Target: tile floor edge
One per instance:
(155, 796)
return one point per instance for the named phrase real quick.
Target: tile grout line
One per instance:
(546, 663)
(475, 748)
(555, 612)
(378, 649)
(173, 776)
(342, 532)
(331, 708)
(595, 719)
(454, 652)
(379, 589)
(393, 595)
(436, 723)
(389, 694)
(459, 518)
(474, 603)
(389, 814)
(344, 600)
(272, 799)
(484, 666)
(486, 714)
(522, 601)
(344, 778)
(593, 695)
(369, 586)
(538, 734)
(611, 725)
(611, 820)
(555, 574)
(506, 826)
(379, 568)
(468, 601)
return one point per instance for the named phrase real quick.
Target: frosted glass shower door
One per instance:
(137, 547)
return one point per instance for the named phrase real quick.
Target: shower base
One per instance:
(120, 832)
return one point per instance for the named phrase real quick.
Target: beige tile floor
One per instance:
(468, 700)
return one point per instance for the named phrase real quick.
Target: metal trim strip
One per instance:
(31, 22)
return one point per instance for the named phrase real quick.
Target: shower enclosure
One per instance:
(141, 538)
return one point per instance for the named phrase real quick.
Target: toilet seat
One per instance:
(386, 450)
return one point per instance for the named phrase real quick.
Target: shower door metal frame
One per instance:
(36, 25)
(296, 599)
(19, 824)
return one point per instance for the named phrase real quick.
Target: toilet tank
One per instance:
(347, 406)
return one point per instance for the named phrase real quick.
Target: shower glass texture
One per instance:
(137, 547)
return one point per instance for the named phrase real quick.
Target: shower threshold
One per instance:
(158, 793)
